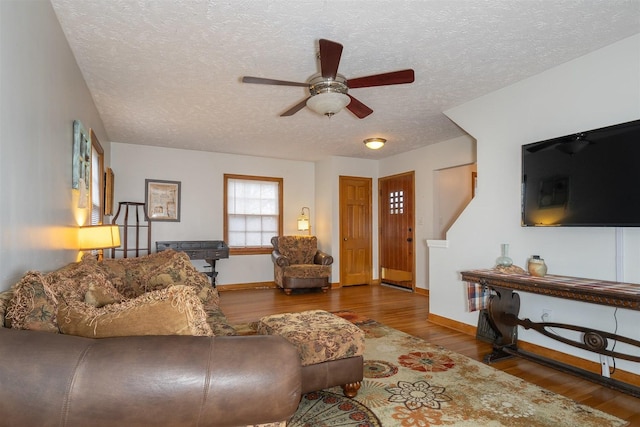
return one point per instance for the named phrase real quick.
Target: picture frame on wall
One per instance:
(163, 200)
(81, 174)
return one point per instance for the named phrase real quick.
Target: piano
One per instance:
(208, 250)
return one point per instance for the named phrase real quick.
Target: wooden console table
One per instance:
(504, 305)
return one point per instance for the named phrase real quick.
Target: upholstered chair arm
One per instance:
(279, 259)
(323, 258)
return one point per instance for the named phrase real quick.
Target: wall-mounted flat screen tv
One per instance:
(588, 179)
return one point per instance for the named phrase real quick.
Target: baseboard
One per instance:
(421, 291)
(578, 362)
(568, 359)
(452, 324)
(245, 286)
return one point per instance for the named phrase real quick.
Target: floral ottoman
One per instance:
(330, 348)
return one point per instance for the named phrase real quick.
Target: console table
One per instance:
(504, 305)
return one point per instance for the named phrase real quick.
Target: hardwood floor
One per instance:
(408, 312)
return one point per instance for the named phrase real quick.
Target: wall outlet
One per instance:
(604, 364)
(546, 315)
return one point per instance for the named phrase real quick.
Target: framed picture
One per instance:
(163, 200)
(81, 174)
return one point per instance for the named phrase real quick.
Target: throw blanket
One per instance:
(477, 296)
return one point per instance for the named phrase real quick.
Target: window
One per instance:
(396, 202)
(97, 180)
(252, 213)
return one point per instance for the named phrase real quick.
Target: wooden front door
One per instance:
(355, 230)
(397, 229)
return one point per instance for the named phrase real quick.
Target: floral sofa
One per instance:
(136, 341)
(160, 294)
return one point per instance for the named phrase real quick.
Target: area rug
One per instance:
(409, 382)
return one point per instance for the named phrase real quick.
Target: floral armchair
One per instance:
(298, 264)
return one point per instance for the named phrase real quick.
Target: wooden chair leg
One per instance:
(351, 389)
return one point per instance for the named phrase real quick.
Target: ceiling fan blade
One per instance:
(291, 111)
(358, 108)
(261, 81)
(392, 78)
(330, 53)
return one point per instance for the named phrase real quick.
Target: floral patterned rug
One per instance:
(409, 382)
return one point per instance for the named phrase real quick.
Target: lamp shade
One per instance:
(304, 221)
(328, 103)
(98, 237)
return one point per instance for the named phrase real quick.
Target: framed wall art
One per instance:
(81, 174)
(163, 200)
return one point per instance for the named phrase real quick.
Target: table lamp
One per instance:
(98, 237)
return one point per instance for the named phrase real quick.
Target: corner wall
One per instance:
(596, 90)
(425, 161)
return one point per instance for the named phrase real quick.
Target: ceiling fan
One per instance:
(329, 90)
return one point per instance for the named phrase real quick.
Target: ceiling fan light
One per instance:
(374, 143)
(328, 103)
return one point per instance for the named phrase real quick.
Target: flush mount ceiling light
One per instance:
(374, 143)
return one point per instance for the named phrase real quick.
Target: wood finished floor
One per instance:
(408, 312)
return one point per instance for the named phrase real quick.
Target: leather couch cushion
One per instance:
(176, 310)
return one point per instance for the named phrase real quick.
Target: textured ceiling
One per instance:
(167, 72)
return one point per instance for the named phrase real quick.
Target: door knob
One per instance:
(409, 239)
(345, 239)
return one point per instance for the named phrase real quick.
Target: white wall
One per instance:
(453, 191)
(42, 93)
(599, 89)
(201, 214)
(424, 161)
(305, 184)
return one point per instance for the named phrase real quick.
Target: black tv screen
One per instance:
(588, 179)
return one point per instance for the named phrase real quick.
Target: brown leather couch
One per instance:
(61, 380)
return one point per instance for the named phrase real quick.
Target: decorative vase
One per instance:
(504, 260)
(536, 266)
